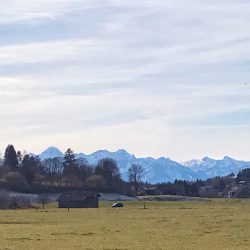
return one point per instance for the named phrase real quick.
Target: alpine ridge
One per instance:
(161, 169)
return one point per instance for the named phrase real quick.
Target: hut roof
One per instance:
(77, 195)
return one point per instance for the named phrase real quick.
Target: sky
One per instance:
(155, 77)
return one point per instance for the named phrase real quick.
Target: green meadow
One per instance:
(215, 224)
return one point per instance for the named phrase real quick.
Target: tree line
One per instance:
(230, 186)
(24, 172)
(28, 173)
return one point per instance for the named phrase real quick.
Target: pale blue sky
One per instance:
(155, 77)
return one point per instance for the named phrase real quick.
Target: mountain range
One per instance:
(161, 169)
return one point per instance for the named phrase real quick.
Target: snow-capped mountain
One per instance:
(165, 170)
(156, 170)
(122, 157)
(207, 167)
(51, 152)
(162, 169)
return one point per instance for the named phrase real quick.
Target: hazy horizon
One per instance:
(156, 78)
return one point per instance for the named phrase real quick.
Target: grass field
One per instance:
(217, 224)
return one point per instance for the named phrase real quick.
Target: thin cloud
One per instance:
(144, 75)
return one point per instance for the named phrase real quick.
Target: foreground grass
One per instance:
(217, 224)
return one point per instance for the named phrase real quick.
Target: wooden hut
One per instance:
(79, 199)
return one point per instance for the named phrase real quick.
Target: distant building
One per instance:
(152, 190)
(79, 199)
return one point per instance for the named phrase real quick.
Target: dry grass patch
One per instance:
(217, 224)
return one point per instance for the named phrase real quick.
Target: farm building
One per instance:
(79, 199)
(152, 190)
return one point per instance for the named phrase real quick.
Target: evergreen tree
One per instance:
(10, 159)
(244, 175)
(194, 189)
(70, 168)
(30, 167)
(69, 158)
(19, 157)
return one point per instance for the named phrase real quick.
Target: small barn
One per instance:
(152, 190)
(79, 199)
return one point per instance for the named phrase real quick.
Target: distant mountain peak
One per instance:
(52, 148)
(51, 152)
(122, 152)
(102, 151)
(206, 158)
(162, 169)
(228, 158)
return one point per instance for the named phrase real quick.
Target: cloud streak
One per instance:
(142, 75)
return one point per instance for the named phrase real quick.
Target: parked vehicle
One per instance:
(117, 204)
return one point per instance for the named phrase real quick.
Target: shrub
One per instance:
(13, 202)
(15, 181)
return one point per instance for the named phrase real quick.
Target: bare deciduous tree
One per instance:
(135, 175)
